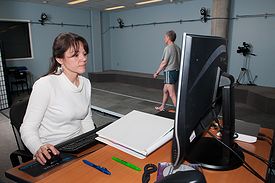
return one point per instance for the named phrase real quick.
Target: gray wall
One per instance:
(139, 49)
(258, 31)
(43, 36)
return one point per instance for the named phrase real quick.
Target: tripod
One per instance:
(245, 72)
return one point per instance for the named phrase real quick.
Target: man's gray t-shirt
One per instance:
(172, 54)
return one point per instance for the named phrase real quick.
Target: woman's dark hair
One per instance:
(61, 44)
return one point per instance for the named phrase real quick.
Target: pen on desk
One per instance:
(130, 165)
(102, 169)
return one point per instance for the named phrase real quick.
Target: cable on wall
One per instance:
(265, 15)
(157, 23)
(204, 20)
(45, 20)
(165, 22)
(60, 24)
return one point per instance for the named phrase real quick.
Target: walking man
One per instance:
(170, 65)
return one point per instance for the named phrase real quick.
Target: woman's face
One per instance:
(74, 62)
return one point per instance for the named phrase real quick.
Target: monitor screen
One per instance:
(16, 39)
(199, 98)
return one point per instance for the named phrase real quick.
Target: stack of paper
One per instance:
(137, 133)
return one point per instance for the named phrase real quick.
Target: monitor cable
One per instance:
(264, 137)
(257, 156)
(270, 164)
(245, 164)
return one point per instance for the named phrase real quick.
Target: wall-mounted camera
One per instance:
(205, 14)
(43, 18)
(120, 23)
(245, 49)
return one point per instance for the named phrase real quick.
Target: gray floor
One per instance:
(120, 98)
(123, 98)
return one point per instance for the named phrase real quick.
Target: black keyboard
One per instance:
(81, 142)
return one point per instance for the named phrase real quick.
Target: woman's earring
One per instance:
(59, 70)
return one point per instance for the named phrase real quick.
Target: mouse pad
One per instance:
(35, 169)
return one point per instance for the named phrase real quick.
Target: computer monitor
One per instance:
(204, 90)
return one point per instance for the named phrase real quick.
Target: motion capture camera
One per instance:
(245, 49)
(204, 14)
(120, 23)
(43, 18)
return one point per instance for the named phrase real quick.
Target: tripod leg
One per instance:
(241, 75)
(249, 76)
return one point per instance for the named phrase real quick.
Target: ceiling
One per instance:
(100, 4)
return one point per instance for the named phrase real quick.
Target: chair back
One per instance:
(17, 113)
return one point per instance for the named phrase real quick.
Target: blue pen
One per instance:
(102, 169)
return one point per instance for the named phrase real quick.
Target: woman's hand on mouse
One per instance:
(42, 154)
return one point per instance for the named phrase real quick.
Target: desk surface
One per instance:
(77, 171)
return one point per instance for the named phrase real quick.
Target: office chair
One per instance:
(17, 113)
(20, 78)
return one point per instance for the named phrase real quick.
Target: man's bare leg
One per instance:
(164, 98)
(172, 93)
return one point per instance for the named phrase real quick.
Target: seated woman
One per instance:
(59, 105)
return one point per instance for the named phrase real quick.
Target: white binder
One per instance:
(137, 133)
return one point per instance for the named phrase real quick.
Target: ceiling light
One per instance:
(147, 2)
(76, 2)
(114, 8)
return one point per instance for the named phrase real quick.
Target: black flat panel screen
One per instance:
(15, 36)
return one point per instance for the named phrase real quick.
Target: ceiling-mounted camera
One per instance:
(245, 49)
(43, 18)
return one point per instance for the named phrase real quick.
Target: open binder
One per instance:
(137, 133)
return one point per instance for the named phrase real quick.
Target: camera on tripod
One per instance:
(245, 72)
(245, 49)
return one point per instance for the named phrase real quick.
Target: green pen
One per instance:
(130, 165)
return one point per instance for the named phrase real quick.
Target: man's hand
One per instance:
(162, 66)
(156, 75)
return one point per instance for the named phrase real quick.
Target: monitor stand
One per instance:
(211, 154)
(208, 151)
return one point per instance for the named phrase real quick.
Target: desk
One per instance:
(77, 171)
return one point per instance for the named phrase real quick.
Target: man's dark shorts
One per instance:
(171, 77)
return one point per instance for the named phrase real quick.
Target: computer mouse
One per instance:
(193, 176)
(53, 160)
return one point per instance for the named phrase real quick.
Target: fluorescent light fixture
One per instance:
(148, 2)
(76, 2)
(114, 8)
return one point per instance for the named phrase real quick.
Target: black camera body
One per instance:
(245, 49)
